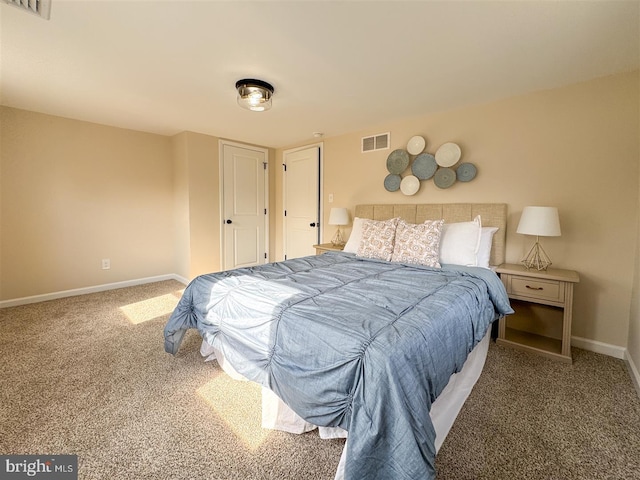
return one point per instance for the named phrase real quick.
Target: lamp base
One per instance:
(338, 239)
(536, 258)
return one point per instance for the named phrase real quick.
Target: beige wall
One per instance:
(198, 163)
(196, 184)
(204, 203)
(575, 148)
(73, 193)
(78, 192)
(633, 346)
(182, 225)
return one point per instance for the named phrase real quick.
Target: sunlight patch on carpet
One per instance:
(146, 310)
(238, 404)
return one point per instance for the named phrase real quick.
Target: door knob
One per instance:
(229, 221)
(312, 224)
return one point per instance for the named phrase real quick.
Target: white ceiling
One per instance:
(337, 67)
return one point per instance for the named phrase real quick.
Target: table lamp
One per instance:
(338, 216)
(541, 222)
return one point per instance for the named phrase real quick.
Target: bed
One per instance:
(361, 343)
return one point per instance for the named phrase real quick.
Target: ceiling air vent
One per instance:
(375, 142)
(41, 8)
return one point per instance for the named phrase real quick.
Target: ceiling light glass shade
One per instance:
(254, 95)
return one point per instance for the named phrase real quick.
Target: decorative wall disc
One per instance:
(424, 166)
(392, 182)
(397, 161)
(448, 154)
(444, 178)
(416, 145)
(466, 172)
(410, 185)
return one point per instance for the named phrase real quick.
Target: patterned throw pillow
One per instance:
(378, 238)
(418, 243)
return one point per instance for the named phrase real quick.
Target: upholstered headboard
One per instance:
(492, 214)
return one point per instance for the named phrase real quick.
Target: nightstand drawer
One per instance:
(535, 288)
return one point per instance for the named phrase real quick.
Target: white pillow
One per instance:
(378, 238)
(459, 242)
(418, 243)
(484, 251)
(356, 236)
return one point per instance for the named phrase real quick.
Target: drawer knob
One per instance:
(533, 288)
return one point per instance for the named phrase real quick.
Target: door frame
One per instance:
(221, 145)
(320, 146)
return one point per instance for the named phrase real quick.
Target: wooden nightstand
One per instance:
(543, 302)
(327, 247)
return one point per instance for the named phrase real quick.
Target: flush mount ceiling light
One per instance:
(254, 95)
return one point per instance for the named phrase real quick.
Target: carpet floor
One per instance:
(88, 375)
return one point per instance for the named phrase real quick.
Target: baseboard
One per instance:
(633, 371)
(613, 351)
(598, 347)
(94, 289)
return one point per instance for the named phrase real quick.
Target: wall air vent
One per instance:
(376, 142)
(41, 8)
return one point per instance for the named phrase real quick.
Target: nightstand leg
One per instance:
(566, 322)
(502, 327)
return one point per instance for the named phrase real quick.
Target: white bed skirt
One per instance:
(276, 415)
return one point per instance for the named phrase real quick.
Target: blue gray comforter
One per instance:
(362, 344)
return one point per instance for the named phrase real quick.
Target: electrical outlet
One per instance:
(106, 264)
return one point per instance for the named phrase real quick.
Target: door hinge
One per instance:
(285, 257)
(285, 166)
(265, 256)
(285, 213)
(265, 211)
(264, 164)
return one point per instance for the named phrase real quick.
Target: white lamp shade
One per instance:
(542, 221)
(339, 216)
